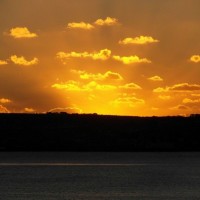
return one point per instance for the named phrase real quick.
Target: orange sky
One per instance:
(124, 57)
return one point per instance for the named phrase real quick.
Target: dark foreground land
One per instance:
(73, 132)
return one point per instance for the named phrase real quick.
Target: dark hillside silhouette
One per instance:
(92, 132)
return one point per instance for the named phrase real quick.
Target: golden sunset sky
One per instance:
(118, 57)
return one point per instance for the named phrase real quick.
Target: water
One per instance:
(99, 176)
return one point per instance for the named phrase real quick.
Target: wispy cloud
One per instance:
(22, 61)
(180, 107)
(138, 40)
(80, 25)
(195, 58)
(191, 101)
(3, 62)
(181, 87)
(165, 97)
(185, 87)
(69, 110)
(4, 100)
(160, 90)
(103, 54)
(29, 110)
(129, 101)
(77, 86)
(106, 22)
(22, 32)
(69, 86)
(109, 21)
(3, 109)
(93, 85)
(130, 86)
(155, 78)
(109, 75)
(131, 59)
(195, 95)
(105, 87)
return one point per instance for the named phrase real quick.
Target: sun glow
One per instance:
(92, 57)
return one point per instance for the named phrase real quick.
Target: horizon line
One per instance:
(97, 114)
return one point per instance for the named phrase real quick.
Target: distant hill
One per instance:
(92, 132)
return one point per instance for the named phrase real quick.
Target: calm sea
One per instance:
(99, 176)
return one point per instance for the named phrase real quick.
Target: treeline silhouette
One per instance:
(92, 132)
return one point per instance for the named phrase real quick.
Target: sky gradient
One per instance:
(119, 57)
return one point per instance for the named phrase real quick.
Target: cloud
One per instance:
(129, 101)
(22, 32)
(138, 40)
(77, 86)
(155, 78)
(87, 26)
(96, 86)
(103, 54)
(191, 101)
(3, 109)
(22, 61)
(160, 89)
(109, 75)
(3, 62)
(69, 110)
(80, 25)
(195, 58)
(131, 59)
(29, 110)
(112, 76)
(130, 86)
(4, 100)
(195, 95)
(180, 107)
(182, 87)
(106, 22)
(164, 97)
(69, 86)
(185, 87)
